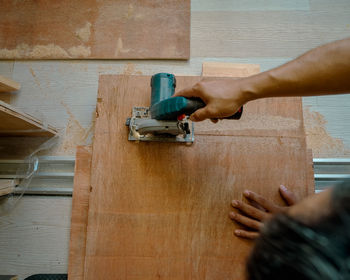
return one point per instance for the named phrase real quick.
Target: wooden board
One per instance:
(16, 123)
(80, 206)
(223, 69)
(159, 210)
(94, 29)
(8, 85)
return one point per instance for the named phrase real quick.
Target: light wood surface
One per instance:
(16, 123)
(95, 29)
(80, 207)
(222, 69)
(34, 237)
(160, 210)
(8, 85)
(64, 94)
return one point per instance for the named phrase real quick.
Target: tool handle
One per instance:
(193, 104)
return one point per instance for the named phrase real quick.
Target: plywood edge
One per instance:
(40, 129)
(80, 207)
(7, 186)
(224, 69)
(8, 85)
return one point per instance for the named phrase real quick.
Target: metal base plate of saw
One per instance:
(166, 119)
(143, 128)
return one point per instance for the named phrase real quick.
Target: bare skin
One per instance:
(323, 70)
(258, 210)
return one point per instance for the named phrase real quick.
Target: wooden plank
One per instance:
(80, 206)
(250, 5)
(16, 123)
(8, 85)
(94, 29)
(264, 33)
(34, 236)
(160, 210)
(7, 186)
(223, 69)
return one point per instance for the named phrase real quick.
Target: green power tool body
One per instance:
(167, 118)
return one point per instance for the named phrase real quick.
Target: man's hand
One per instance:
(257, 211)
(223, 97)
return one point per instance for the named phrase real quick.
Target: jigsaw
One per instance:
(167, 119)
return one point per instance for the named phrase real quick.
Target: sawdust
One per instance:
(74, 134)
(35, 77)
(48, 51)
(84, 33)
(79, 51)
(130, 11)
(19, 52)
(129, 69)
(319, 140)
(44, 51)
(120, 49)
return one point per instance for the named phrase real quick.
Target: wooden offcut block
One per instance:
(8, 85)
(91, 29)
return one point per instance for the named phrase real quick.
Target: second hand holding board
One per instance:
(166, 120)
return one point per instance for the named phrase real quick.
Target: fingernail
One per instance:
(283, 188)
(232, 215)
(246, 193)
(235, 203)
(237, 232)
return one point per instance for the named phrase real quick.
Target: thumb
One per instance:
(187, 92)
(201, 114)
(288, 195)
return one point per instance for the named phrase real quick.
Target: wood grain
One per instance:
(223, 69)
(34, 237)
(160, 210)
(16, 123)
(8, 85)
(80, 206)
(95, 29)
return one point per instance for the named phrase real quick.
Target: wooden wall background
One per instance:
(34, 237)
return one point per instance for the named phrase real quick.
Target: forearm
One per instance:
(323, 70)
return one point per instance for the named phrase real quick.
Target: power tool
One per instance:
(166, 120)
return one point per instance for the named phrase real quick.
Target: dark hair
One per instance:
(289, 249)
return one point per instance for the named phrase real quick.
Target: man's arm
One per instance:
(323, 70)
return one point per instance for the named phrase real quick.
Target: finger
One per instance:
(248, 222)
(250, 210)
(202, 114)
(246, 234)
(268, 205)
(288, 195)
(187, 92)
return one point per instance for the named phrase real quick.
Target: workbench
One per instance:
(34, 238)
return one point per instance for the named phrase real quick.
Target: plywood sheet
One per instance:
(16, 123)
(160, 210)
(94, 29)
(223, 69)
(80, 206)
(8, 85)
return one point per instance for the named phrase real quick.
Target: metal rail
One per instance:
(55, 175)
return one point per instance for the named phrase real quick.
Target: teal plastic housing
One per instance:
(169, 109)
(162, 87)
